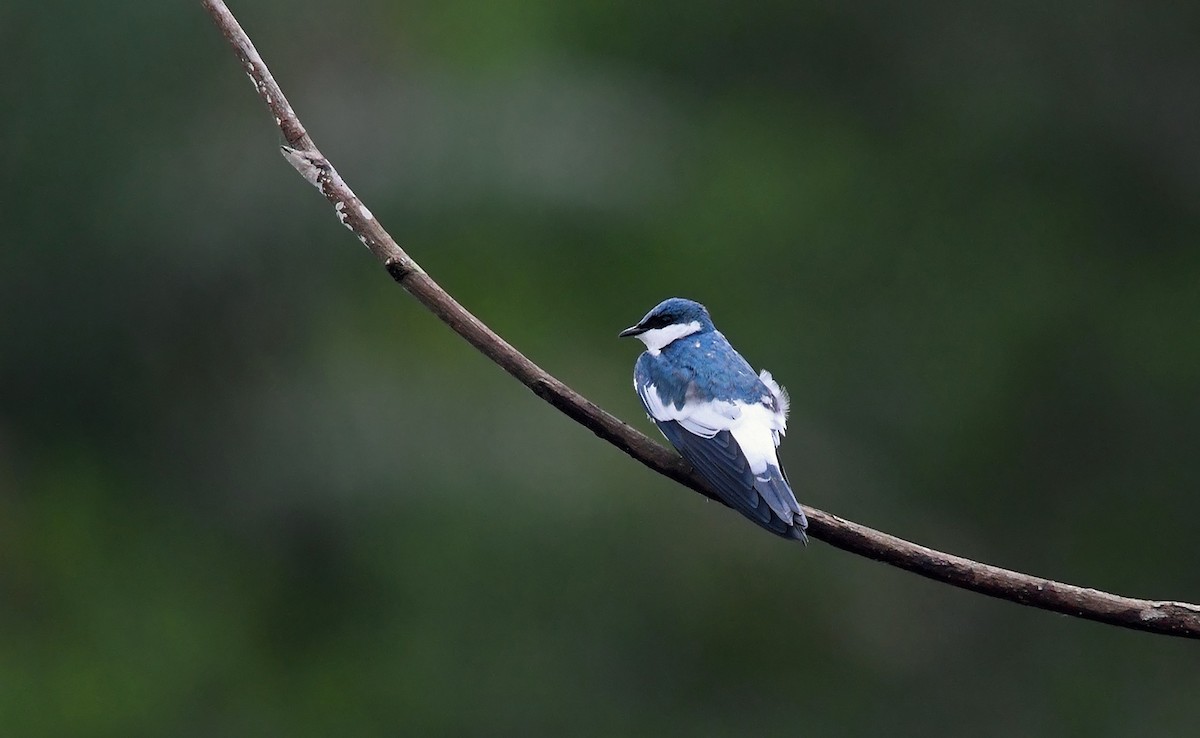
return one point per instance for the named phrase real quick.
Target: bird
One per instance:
(721, 416)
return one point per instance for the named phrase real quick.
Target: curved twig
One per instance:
(1170, 618)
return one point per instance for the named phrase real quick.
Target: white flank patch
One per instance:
(704, 419)
(754, 427)
(657, 339)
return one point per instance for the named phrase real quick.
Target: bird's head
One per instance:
(670, 319)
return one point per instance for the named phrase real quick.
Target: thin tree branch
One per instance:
(1170, 618)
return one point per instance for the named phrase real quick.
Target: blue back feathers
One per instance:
(701, 360)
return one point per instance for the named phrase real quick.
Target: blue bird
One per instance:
(724, 419)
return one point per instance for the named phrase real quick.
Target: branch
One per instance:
(1169, 618)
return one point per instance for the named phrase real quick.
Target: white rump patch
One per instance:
(656, 339)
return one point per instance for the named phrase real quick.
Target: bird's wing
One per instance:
(766, 499)
(732, 445)
(705, 419)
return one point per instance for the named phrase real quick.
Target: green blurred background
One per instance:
(248, 487)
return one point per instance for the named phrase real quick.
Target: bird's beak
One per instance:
(631, 331)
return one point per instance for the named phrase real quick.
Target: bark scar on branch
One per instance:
(1164, 617)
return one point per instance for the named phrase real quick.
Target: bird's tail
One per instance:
(787, 519)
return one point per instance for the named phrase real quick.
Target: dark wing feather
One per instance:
(721, 463)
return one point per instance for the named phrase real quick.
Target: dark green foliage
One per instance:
(248, 487)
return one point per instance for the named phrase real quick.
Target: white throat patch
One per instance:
(657, 339)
